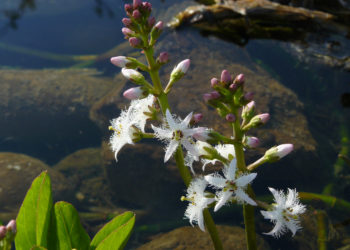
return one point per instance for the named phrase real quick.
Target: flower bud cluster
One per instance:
(140, 28)
(227, 91)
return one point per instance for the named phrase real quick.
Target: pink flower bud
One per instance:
(214, 82)
(133, 93)
(215, 95)
(239, 79)
(133, 75)
(211, 96)
(128, 8)
(127, 22)
(136, 3)
(197, 117)
(11, 226)
(249, 96)
(250, 105)
(127, 32)
(230, 118)
(134, 41)
(119, 61)
(264, 117)
(201, 134)
(233, 87)
(207, 97)
(151, 21)
(163, 57)
(225, 76)
(136, 14)
(147, 6)
(159, 25)
(252, 142)
(284, 149)
(182, 66)
(3, 232)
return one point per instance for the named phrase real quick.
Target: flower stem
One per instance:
(209, 222)
(184, 171)
(248, 210)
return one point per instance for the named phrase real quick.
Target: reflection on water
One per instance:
(60, 116)
(13, 11)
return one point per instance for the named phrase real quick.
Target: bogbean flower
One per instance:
(284, 212)
(198, 202)
(128, 123)
(231, 185)
(177, 132)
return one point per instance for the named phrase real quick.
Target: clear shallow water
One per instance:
(76, 28)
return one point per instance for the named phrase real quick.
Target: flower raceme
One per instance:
(177, 132)
(284, 213)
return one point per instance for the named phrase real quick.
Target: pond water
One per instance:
(52, 52)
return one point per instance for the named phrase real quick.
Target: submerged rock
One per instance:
(188, 238)
(140, 178)
(315, 31)
(35, 104)
(84, 171)
(245, 19)
(17, 172)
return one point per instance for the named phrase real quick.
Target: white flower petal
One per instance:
(298, 209)
(162, 134)
(230, 171)
(186, 121)
(269, 215)
(242, 196)
(201, 221)
(292, 225)
(170, 120)
(291, 198)
(190, 148)
(278, 196)
(171, 148)
(244, 180)
(222, 199)
(278, 230)
(215, 180)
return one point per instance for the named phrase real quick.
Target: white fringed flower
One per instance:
(232, 185)
(285, 212)
(198, 202)
(176, 133)
(129, 122)
(225, 150)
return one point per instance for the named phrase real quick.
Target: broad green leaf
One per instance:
(66, 230)
(34, 215)
(115, 234)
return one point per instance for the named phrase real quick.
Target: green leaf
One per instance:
(115, 234)
(34, 215)
(67, 231)
(38, 248)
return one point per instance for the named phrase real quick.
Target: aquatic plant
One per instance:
(40, 224)
(231, 102)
